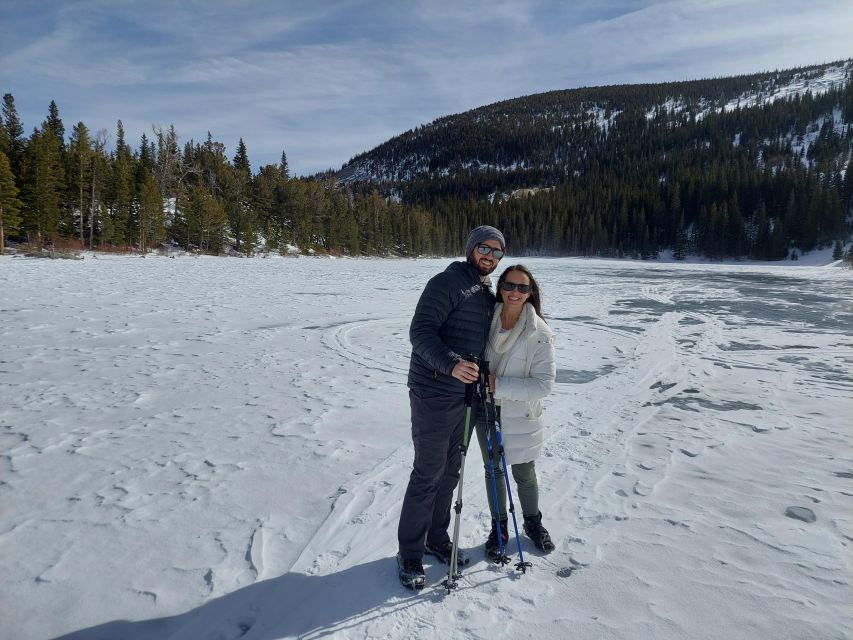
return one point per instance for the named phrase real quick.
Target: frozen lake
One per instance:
(218, 448)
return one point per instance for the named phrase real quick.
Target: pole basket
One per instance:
(503, 560)
(449, 584)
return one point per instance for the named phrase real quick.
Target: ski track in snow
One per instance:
(230, 462)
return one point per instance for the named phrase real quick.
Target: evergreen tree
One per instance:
(238, 200)
(79, 172)
(12, 138)
(265, 205)
(145, 162)
(206, 220)
(344, 234)
(99, 171)
(679, 251)
(120, 227)
(10, 206)
(761, 249)
(152, 218)
(297, 213)
(42, 186)
(241, 159)
(778, 241)
(735, 231)
(54, 124)
(5, 140)
(282, 167)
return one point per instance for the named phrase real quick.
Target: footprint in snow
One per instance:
(801, 513)
(641, 490)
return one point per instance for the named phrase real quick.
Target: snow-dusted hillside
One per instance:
(766, 91)
(432, 149)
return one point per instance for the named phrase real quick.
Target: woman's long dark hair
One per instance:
(534, 298)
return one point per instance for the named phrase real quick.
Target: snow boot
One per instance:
(539, 534)
(411, 573)
(493, 551)
(443, 551)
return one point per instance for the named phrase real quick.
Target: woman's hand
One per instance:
(491, 382)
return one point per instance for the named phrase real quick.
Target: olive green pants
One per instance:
(524, 474)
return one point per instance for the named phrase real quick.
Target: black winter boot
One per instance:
(443, 552)
(493, 551)
(539, 534)
(411, 573)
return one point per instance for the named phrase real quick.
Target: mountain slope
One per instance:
(744, 166)
(548, 130)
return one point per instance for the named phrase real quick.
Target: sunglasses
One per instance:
(485, 250)
(511, 286)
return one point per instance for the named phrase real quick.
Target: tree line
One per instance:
(85, 191)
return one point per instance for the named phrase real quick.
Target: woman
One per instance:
(521, 361)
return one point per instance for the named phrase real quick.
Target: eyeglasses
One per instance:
(511, 286)
(485, 250)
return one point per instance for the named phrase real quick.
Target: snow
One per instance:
(602, 120)
(830, 78)
(218, 448)
(801, 144)
(817, 82)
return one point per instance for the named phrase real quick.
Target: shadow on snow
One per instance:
(292, 605)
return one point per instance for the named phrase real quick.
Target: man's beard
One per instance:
(484, 271)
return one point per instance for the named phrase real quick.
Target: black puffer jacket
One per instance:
(451, 321)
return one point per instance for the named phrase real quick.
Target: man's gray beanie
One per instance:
(480, 235)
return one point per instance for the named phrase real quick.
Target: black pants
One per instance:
(438, 426)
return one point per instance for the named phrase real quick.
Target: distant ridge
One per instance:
(536, 132)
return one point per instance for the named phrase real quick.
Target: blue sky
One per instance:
(326, 80)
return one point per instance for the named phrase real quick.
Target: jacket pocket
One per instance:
(534, 410)
(521, 410)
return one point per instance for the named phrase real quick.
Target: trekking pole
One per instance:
(521, 565)
(502, 558)
(452, 573)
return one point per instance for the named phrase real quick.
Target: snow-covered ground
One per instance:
(218, 448)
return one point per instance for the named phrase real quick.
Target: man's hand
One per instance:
(466, 371)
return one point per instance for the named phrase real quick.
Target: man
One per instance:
(451, 323)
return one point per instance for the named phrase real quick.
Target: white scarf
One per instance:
(500, 344)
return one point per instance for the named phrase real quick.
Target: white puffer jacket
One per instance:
(523, 379)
